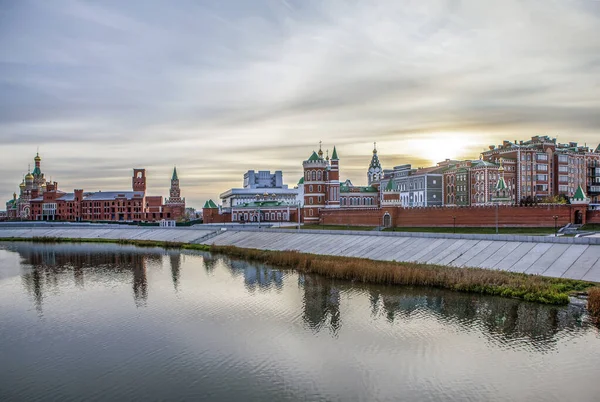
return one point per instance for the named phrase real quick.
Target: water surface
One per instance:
(110, 322)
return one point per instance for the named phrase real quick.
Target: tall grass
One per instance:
(594, 302)
(476, 280)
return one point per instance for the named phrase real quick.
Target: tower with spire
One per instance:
(375, 172)
(175, 192)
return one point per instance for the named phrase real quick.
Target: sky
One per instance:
(220, 87)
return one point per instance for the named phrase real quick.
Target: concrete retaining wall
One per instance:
(575, 258)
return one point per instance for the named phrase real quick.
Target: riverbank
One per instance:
(532, 288)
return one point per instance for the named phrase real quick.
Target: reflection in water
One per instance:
(321, 303)
(236, 330)
(503, 319)
(175, 259)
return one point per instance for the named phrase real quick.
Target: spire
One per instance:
(579, 194)
(327, 157)
(334, 156)
(174, 177)
(374, 147)
(320, 150)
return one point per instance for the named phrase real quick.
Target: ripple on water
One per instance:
(108, 322)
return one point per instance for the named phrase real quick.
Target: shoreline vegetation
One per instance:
(533, 288)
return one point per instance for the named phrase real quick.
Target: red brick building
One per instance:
(43, 201)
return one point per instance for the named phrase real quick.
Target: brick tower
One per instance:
(138, 181)
(333, 182)
(175, 192)
(315, 173)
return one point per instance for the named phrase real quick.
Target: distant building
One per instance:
(259, 184)
(44, 201)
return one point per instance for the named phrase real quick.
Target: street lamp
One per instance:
(497, 206)
(454, 224)
(555, 217)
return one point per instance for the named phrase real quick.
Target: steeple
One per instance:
(334, 156)
(320, 150)
(174, 177)
(175, 192)
(375, 172)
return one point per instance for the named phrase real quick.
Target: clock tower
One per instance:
(375, 173)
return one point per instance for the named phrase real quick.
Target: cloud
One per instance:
(222, 87)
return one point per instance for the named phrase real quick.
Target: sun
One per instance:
(437, 147)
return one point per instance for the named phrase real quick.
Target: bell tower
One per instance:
(139, 180)
(175, 192)
(375, 173)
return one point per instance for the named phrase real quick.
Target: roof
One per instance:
(362, 189)
(174, 177)
(314, 157)
(501, 185)
(334, 155)
(264, 204)
(482, 163)
(390, 185)
(427, 170)
(36, 171)
(111, 195)
(210, 204)
(301, 181)
(579, 194)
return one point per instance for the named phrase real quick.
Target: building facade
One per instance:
(43, 201)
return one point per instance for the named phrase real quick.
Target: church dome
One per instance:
(37, 158)
(22, 185)
(29, 176)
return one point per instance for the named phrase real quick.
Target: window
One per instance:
(563, 158)
(542, 177)
(542, 167)
(310, 200)
(563, 178)
(319, 188)
(563, 169)
(434, 182)
(542, 157)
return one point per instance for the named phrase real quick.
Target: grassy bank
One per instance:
(594, 302)
(475, 280)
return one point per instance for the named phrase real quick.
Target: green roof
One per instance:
(390, 185)
(36, 171)
(174, 177)
(210, 204)
(579, 194)
(301, 181)
(501, 185)
(263, 204)
(334, 155)
(314, 157)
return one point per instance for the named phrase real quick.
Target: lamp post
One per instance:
(497, 205)
(555, 217)
(454, 224)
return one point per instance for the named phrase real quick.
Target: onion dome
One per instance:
(22, 185)
(28, 176)
(37, 157)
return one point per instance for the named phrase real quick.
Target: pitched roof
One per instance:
(210, 204)
(579, 194)
(501, 185)
(301, 181)
(174, 177)
(390, 185)
(334, 155)
(314, 157)
(111, 195)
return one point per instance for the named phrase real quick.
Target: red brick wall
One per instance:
(465, 216)
(593, 217)
(211, 215)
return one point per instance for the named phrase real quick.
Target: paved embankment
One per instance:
(575, 258)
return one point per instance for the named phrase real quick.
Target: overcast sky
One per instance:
(220, 87)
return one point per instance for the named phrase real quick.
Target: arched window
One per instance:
(314, 175)
(319, 175)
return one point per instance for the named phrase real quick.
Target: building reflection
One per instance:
(175, 261)
(321, 303)
(51, 266)
(256, 276)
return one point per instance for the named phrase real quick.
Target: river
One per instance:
(111, 322)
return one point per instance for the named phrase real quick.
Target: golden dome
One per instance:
(37, 157)
(22, 185)
(29, 176)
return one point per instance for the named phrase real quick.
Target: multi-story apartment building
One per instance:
(545, 168)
